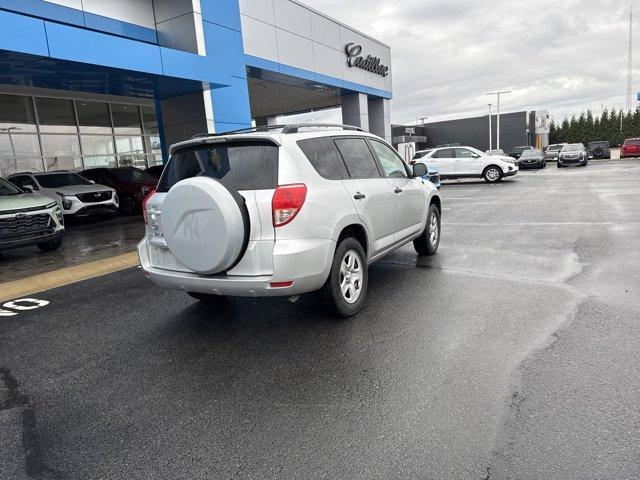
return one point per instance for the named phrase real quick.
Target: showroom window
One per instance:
(43, 134)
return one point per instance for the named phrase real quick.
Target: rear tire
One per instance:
(345, 290)
(492, 174)
(427, 243)
(128, 205)
(51, 246)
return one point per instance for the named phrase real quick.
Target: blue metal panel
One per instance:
(222, 12)
(225, 51)
(22, 34)
(231, 104)
(38, 8)
(176, 63)
(316, 78)
(117, 27)
(78, 45)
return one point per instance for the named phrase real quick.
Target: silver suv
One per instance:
(285, 210)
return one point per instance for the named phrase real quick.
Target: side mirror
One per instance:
(475, 155)
(92, 181)
(28, 188)
(419, 169)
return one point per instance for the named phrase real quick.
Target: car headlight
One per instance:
(115, 198)
(66, 203)
(58, 213)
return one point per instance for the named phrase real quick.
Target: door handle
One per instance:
(359, 196)
(398, 190)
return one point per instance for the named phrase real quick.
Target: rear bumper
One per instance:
(305, 262)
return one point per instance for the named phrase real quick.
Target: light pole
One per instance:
(421, 120)
(498, 115)
(490, 132)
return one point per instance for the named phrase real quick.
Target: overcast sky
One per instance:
(560, 55)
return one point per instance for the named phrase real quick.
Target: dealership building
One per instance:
(88, 83)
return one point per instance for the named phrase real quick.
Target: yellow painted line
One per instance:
(66, 276)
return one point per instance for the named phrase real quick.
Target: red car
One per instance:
(630, 148)
(132, 185)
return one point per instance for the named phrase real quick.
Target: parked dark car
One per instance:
(599, 149)
(516, 152)
(155, 171)
(552, 151)
(532, 159)
(630, 148)
(573, 154)
(132, 185)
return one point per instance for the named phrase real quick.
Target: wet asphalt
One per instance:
(513, 353)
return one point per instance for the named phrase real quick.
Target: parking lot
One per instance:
(512, 353)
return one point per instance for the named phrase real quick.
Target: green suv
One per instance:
(28, 219)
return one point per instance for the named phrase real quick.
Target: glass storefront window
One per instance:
(154, 160)
(153, 145)
(126, 119)
(19, 145)
(97, 145)
(60, 145)
(9, 166)
(62, 163)
(100, 161)
(56, 115)
(16, 114)
(149, 120)
(93, 117)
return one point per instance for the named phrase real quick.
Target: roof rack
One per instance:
(286, 129)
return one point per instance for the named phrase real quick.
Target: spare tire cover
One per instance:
(204, 225)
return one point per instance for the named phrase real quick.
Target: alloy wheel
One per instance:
(351, 276)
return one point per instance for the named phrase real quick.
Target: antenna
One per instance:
(630, 63)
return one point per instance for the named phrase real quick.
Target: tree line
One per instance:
(589, 128)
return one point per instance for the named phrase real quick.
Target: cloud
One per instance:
(565, 56)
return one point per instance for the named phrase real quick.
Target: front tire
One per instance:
(345, 290)
(427, 243)
(492, 174)
(51, 246)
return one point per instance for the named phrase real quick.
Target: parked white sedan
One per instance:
(469, 162)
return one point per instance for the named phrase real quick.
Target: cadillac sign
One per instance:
(368, 63)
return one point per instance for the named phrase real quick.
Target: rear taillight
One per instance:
(144, 204)
(287, 202)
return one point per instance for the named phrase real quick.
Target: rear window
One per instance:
(599, 144)
(632, 141)
(237, 165)
(323, 155)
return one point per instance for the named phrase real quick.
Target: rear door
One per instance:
(443, 160)
(248, 167)
(372, 194)
(409, 192)
(466, 163)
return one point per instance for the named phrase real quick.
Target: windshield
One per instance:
(57, 180)
(132, 175)
(573, 147)
(7, 189)
(519, 149)
(531, 153)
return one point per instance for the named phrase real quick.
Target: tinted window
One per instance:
(93, 117)
(7, 189)
(17, 113)
(632, 141)
(358, 158)
(57, 180)
(421, 154)
(132, 175)
(392, 165)
(323, 155)
(239, 166)
(446, 153)
(56, 115)
(23, 180)
(599, 144)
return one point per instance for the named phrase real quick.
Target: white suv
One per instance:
(285, 211)
(76, 196)
(469, 162)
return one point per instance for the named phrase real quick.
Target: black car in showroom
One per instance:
(573, 154)
(532, 159)
(599, 149)
(516, 152)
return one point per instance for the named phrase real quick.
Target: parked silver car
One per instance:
(285, 211)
